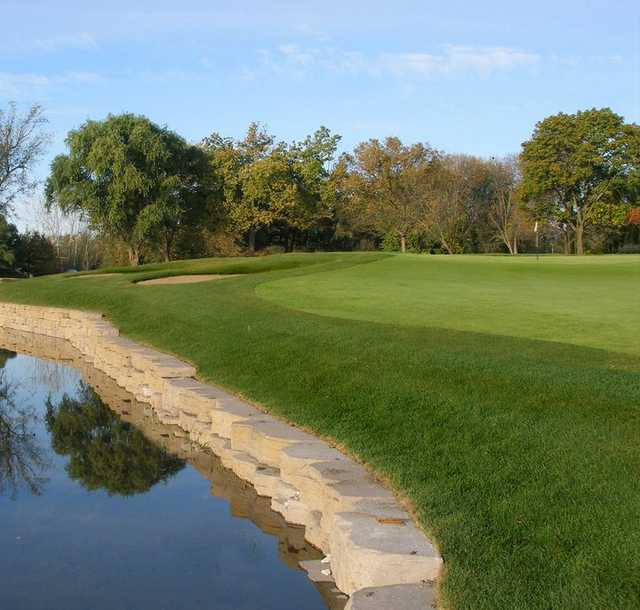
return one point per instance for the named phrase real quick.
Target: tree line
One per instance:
(144, 193)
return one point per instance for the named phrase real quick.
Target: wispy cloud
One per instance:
(453, 59)
(80, 41)
(17, 85)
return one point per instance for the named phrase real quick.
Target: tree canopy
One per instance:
(23, 140)
(576, 163)
(132, 179)
(387, 184)
(265, 182)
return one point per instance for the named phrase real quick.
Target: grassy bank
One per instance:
(501, 395)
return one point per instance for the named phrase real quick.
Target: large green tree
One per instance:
(132, 179)
(267, 182)
(575, 162)
(254, 173)
(312, 163)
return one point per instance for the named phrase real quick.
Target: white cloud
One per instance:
(16, 85)
(77, 41)
(296, 60)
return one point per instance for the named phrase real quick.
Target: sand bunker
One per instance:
(185, 279)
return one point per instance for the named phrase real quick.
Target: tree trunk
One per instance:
(134, 256)
(579, 237)
(166, 248)
(447, 246)
(515, 245)
(403, 244)
(566, 242)
(252, 241)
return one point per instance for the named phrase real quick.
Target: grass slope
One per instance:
(502, 396)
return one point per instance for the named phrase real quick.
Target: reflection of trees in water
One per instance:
(105, 452)
(22, 461)
(56, 376)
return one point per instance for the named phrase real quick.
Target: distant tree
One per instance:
(574, 162)
(505, 211)
(312, 166)
(23, 141)
(105, 452)
(246, 168)
(8, 242)
(132, 179)
(386, 185)
(265, 182)
(34, 254)
(447, 214)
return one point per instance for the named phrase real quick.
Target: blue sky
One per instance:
(469, 77)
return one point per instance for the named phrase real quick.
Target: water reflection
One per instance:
(104, 451)
(23, 462)
(105, 535)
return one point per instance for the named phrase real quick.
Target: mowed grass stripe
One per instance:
(520, 455)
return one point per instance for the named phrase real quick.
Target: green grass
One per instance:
(502, 396)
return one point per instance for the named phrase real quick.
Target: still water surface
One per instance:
(96, 515)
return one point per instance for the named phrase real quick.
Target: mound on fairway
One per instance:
(501, 396)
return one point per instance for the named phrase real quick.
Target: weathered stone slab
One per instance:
(266, 480)
(223, 419)
(367, 553)
(269, 437)
(393, 597)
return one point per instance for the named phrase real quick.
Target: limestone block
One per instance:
(142, 359)
(168, 366)
(312, 479)
(243, 465)
(223, 419)
(393, 597)
(284, 493)
(367, 553)
(221, 447)
(186, 420)
(296, 458)
(270, 437)
(315, 533)
(266, 480)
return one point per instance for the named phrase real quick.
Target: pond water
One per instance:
(105, 508)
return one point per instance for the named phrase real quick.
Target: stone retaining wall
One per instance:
(373, 551)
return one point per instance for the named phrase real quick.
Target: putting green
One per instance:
(591, 302)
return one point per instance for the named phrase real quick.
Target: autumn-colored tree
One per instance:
(505, 211)
(633, 217)
(386, 184)
(574, 162)
(448, 211)
(256, 182)
(264, 182)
